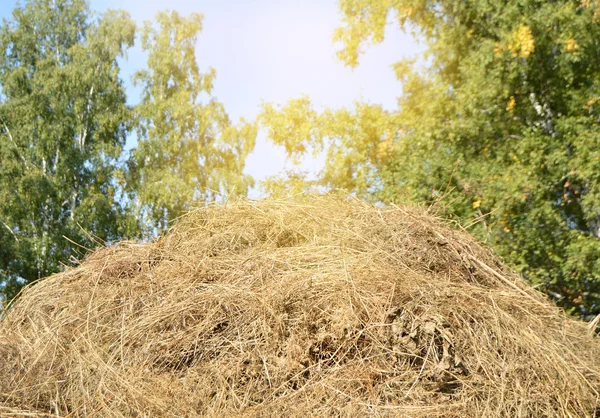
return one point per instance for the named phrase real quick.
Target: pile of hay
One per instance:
(275, 308)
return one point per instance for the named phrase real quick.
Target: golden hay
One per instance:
(281, 308)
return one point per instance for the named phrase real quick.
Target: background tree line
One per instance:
(66, 182)
(496, 126)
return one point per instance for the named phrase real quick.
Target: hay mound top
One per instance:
(281, 308)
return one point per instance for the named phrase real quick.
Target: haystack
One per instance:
(280, 308)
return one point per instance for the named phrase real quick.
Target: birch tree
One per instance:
(63, 124)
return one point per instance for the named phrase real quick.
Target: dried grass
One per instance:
(281, 308)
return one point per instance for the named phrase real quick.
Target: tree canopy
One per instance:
(63, 122)
(497, 126)
(67, 184)
(188, 148)
(497, 123)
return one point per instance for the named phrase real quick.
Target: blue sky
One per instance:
(273, 50)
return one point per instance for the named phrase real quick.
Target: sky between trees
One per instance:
(271, 50)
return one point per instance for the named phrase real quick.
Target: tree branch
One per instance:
(15, 144)
(10, 230)
(84, 132)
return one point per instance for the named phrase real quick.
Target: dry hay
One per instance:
(276, 308)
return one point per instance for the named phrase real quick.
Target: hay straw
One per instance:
(281, 308)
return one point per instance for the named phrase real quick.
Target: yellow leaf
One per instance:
(476, 204)
(407, 11)
(591, 102)
(498, 50)
(384, 148)
(522, 43)
(572, 45)
(511, 104)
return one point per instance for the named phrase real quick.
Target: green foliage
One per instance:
(499, 117)
(497, 123)
(58, 143)
(355, 141)
(66, 184)
(188, 149)
(291, 184)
